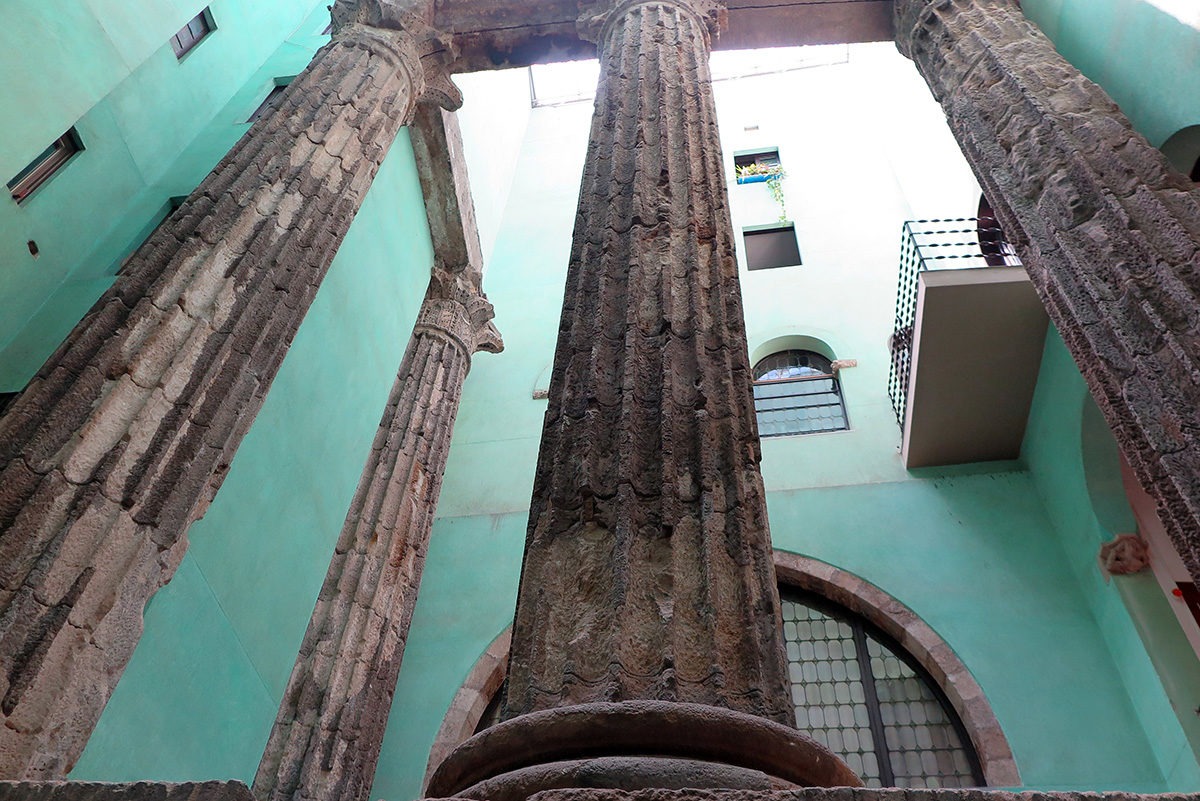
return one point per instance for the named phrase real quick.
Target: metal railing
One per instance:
(953, 244)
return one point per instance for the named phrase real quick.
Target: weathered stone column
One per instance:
(648, 617)
(1109, 232)
(124, 436)
(330, 726)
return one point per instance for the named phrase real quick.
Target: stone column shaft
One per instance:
(126, 433)
(647, 572)
(1109, 233)
(327, 736)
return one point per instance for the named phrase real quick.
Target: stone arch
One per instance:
(470, 702)
(792, 342)
(923, 643)
(844, 588)
(1182, 149)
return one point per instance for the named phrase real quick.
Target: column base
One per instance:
(635, 745)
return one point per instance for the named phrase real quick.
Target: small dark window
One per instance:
(190, 35)
(6, 399)
(771, 245)
(755, 166)
(271, 101)
(1195, 173)
(48, 162)
(796, 392)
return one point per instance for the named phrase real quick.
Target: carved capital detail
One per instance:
(404, 26)
(597, 18)
(456, 307)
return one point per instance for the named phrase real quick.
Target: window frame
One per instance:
(778, 229)
(835, 388)
(182, 47)
(861, 628)
(45, 165)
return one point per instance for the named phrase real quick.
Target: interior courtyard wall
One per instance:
(1164, 690)
(1145, 58)
(152, 126)
(1004, 594)
(202, 689)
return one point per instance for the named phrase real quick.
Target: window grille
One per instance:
(860, 695)
(796, 392)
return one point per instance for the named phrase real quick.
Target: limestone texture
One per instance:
(133, 791)
(330, 726)
(647, 569)
(124, 436)
(1109, 232)
(845, 794)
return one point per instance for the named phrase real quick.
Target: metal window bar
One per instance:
(807, 405)
(958, 243)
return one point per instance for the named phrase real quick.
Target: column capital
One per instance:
(456, 307)
(408, 24)
(597, 17)
(912, 15)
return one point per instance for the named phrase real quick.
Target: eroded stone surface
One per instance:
(124, 436)
(134, 791)
(1109, 233)
(330, 726)
(647, 570)
(844, 794)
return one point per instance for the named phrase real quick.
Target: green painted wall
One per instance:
(1057, 450)
(200, 694)
(975, 550)
(1146, 59)
(152, 126)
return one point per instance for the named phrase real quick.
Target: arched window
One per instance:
(860, 694)
(797, 392)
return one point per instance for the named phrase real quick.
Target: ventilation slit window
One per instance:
(48, 162)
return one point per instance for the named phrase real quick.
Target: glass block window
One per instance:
(857, 693)
(796, 392)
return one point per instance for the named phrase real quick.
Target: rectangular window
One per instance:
(756, 166)
(769, 246)
(272, 100)
(48, 162)
(190, 35)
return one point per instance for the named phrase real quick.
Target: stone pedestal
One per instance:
(1109, 232)
(124, 436)
(331, 723)
(646, 647)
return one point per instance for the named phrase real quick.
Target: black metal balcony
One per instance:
(925, 245)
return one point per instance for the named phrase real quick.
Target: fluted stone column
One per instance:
(331, 723)
(647, 618)
(648, 570)
(125, 434)
(1109, 232)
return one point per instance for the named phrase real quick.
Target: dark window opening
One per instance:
(48, 162)
(769, 246)
(272, 101)
(754, 166)
(190, 35)
(6, 399)
(996, 250)
(1195, 173)
(860, 694)
(797, 392)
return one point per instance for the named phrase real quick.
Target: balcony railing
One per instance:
(954, 244)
